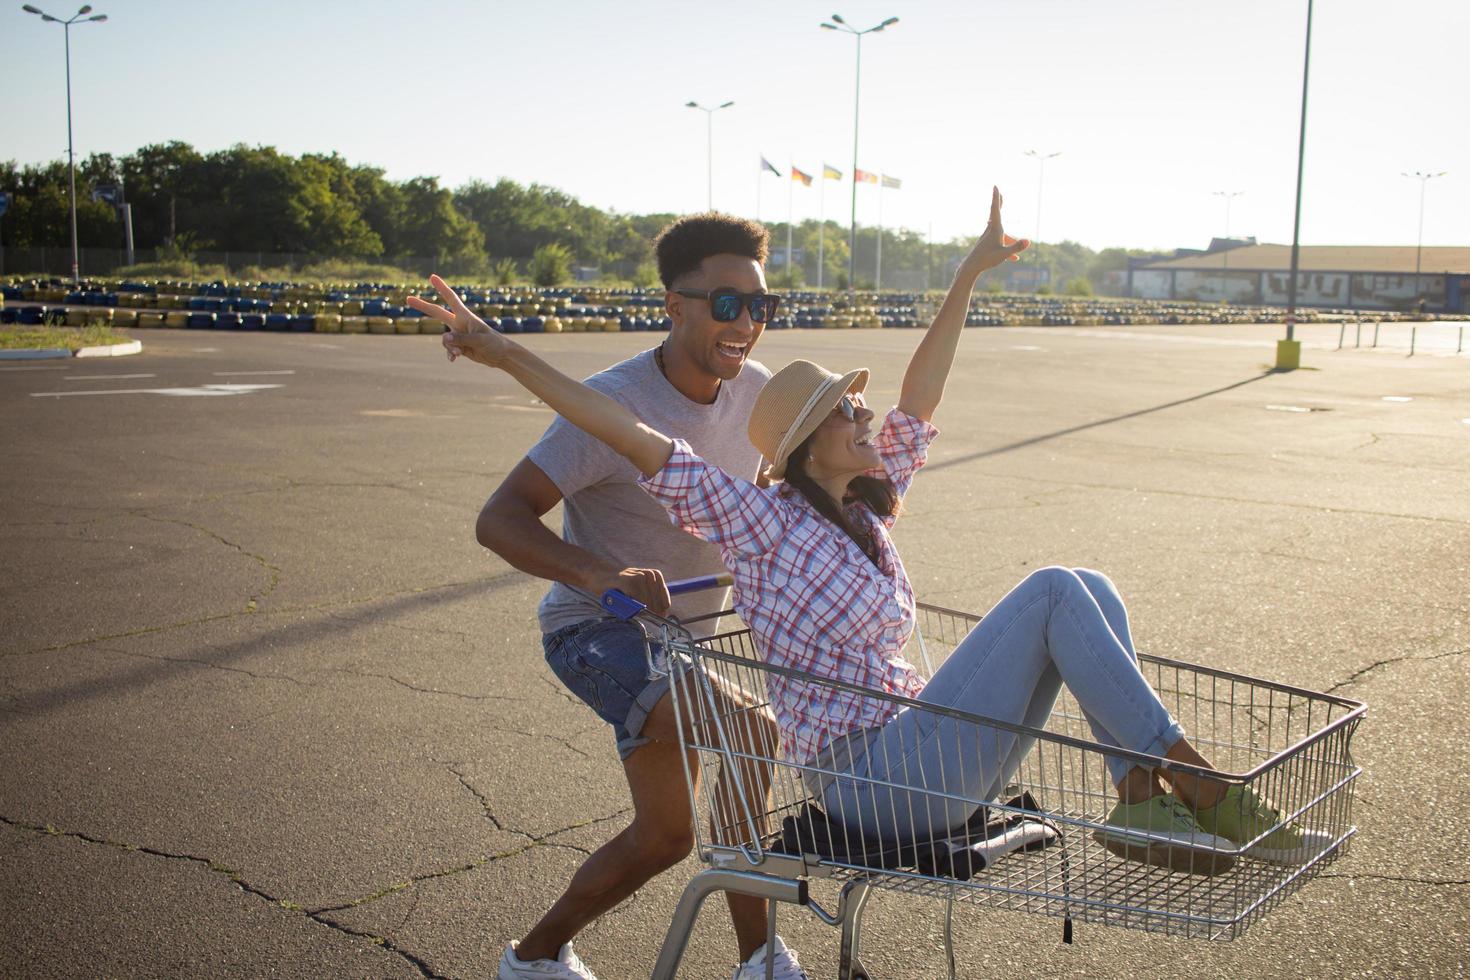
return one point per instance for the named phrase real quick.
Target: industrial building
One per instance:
(1368, 277)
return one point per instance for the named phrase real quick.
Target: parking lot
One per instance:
(267, 708)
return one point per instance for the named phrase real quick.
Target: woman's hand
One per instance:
(995, 246)
(467, 335)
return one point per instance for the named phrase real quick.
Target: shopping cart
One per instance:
(1041, 847)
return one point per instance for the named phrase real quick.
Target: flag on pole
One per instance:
(863, 177)
(767, 165)
(805, 178)
(892, 182)
(830, 172)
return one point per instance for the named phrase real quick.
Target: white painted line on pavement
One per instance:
(47, 367)
(205, 350)
(231, 374)
(1397, 398)
(1286, 408)
(106, 377)
(203, 390)
(1026, 347)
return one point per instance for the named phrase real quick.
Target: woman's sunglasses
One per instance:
(725, 304)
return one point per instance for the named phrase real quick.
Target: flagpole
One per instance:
(790, 213)
(878, 272)
(822, 227)
(760, 173)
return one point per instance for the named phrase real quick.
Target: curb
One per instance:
(34, 353)
(47, 353)
(112, 350)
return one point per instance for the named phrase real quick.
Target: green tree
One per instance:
(645, 274)
(1078, 286)
(551, 265)
(503, 272)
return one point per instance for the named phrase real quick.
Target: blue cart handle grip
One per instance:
(624, 606)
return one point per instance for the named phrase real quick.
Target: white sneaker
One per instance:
(566, 966)
(784, 965)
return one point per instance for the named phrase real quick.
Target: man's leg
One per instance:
(660, 835)
(753, 732)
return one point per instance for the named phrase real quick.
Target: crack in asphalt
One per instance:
(533, 841)
(1358, 674)
(462, 634)
(234, 876)
(1196, 495)
(273, 577)
(206, 663)
(421, 690)
(1406, 879)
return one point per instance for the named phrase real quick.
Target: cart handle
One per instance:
(624, 606)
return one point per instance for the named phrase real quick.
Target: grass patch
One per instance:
(72, 338)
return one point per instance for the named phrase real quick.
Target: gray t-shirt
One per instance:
(604, 510)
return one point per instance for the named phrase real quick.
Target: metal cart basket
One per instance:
(761, 828)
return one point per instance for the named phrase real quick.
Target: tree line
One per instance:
(257, 199)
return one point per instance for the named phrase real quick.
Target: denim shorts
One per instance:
(605, 663)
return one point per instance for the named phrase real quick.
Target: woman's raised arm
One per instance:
(586, 408)
(923, 383)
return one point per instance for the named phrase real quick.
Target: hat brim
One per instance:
(855, 380)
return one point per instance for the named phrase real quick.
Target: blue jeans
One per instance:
(1058, 626)
(605, 663)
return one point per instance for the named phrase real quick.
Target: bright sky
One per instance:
(1153, 104)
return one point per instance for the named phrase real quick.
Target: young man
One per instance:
(699, 384)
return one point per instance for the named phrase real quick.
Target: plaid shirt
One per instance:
(813, 600)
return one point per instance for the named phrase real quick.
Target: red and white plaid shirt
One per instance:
(813, 600)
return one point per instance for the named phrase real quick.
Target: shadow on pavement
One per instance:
(324, 628)
(1022, 444)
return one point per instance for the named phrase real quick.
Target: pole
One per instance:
(760, 176)
(857, 87)
(1040, 185)
(71, 161)
(878, 271)
(822, 228)
(128, 229)
(1419, 248)
(790, 214)
(709, 161)
(1301, 155)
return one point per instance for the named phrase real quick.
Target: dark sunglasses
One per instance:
(725, 304)
(847, 407)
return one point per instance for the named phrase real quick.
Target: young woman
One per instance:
(820, 583)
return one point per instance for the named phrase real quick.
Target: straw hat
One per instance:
(792, 404)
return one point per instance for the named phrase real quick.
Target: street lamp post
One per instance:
(709, 148)
(1424, 180)
(1041, 159)
(838, 24)
(1229, 196)
(70, 155)
(1289, 351)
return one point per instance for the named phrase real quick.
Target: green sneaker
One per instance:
(1162, 831)
(1242, 816)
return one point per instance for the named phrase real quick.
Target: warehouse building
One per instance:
(1368, 277)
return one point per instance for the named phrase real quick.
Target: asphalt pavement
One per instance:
(266, 708)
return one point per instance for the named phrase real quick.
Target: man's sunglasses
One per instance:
(725, 304)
